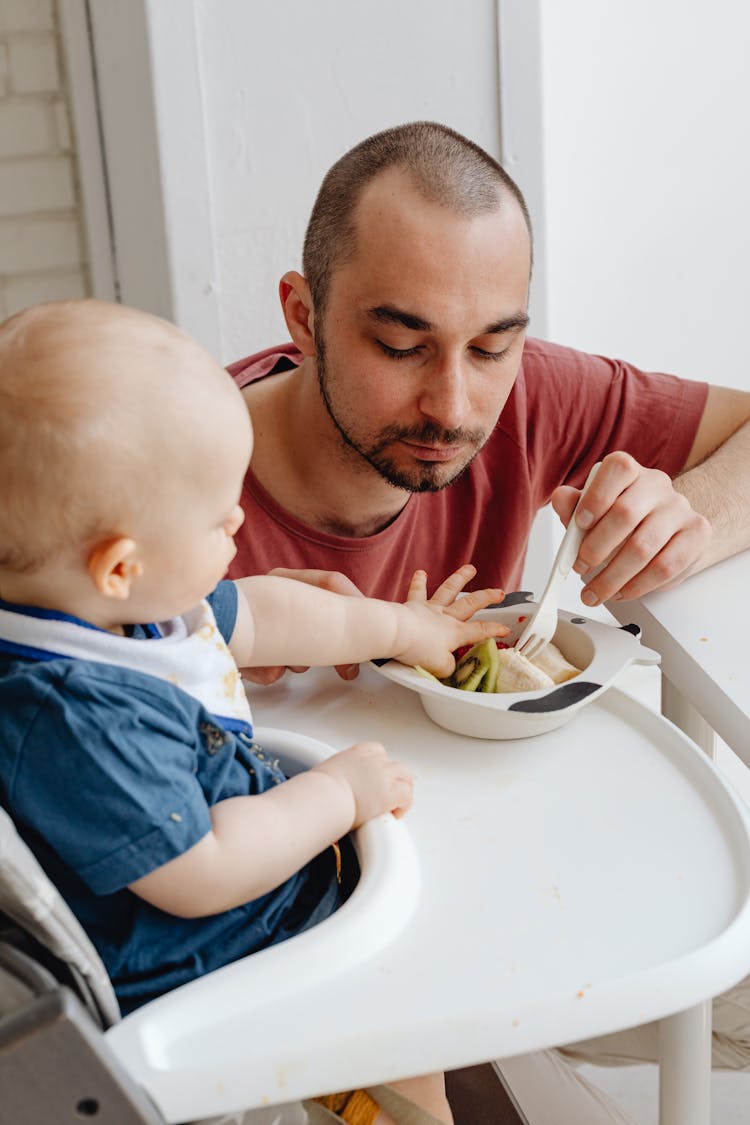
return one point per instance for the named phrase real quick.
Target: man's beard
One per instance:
(423, 478)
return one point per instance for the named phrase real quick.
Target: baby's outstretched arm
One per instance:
(281, 621)
(258, 842)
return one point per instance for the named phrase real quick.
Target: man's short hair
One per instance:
(444, 167)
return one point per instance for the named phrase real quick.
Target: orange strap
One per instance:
(355, 1107)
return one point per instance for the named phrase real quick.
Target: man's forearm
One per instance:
(719, 488)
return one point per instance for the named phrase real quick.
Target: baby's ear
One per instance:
(114, 566)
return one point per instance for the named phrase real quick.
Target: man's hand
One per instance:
(641, 534)
(377, 784)
(331, 580)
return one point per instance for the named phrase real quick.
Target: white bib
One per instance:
(189, 652)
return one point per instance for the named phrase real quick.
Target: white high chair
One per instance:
(541, 891)
(59, 1014)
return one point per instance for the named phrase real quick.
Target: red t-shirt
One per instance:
(566, 410)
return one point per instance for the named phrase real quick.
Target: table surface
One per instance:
(567, 885)
(701, 629)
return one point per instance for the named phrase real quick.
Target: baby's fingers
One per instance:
(417, 587)
(402, 790)
(471, 632)
(465, 633)
(448, 591)
(469, 604)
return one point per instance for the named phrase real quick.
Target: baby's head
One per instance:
(115, 429)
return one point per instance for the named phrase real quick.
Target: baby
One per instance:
(126, 745)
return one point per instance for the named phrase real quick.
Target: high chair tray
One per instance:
(564, 886)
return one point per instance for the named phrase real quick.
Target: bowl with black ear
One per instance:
(494, 695)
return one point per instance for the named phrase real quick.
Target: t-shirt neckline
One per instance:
(302, 530)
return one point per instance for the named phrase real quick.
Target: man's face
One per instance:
(423, 333)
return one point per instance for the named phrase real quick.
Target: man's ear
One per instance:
(297, 306)
(113, 567)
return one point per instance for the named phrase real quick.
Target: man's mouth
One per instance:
(433, 452)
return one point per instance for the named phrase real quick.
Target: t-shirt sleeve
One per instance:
(223, 602)
(585, 406)
(107, 775)
(253, 367)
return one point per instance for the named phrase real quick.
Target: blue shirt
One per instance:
(109, 773)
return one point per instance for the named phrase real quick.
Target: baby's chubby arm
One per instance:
(281, 621)
(257, 842)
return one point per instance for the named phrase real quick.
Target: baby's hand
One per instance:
(377, 783)
(443, 622)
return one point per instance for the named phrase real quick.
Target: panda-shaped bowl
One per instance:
(601, 651)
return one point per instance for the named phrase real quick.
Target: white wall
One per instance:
(288, 88)
(647, 163)
(624, 123)
(218, 122)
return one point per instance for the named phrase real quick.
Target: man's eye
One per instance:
(396, 353)
(492, 357)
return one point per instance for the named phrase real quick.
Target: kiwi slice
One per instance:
(477, 669)
(469, 673)
(489, 683)
(427, 675)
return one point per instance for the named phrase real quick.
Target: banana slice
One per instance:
(516, 673)
(552, 661)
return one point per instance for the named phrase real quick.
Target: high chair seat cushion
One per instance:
(32, 901)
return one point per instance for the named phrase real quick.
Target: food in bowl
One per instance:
(492, 666)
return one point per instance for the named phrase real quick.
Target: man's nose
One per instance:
(444, 396)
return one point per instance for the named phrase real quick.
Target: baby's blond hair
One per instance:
(84, 390)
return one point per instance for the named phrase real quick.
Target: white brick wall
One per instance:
(42, 257)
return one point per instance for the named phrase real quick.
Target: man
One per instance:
(412, 424)
(409, 345)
